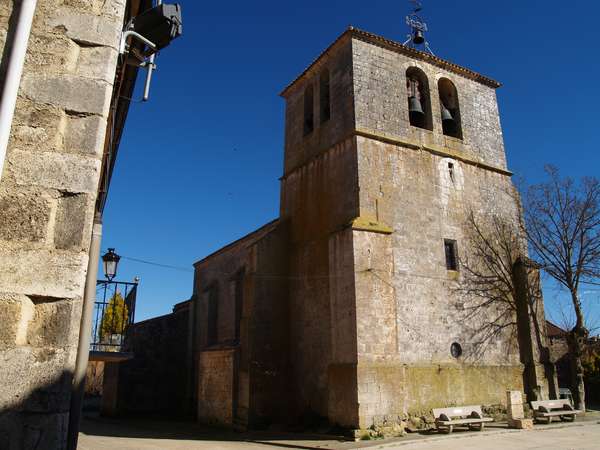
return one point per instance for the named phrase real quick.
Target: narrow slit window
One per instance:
(451, 254)
(213, 316)
(309, 117)
(239, 303)
(325, 97)
(451, 171)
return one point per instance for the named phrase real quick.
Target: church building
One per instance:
(351, 306)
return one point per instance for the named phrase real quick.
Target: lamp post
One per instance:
(110, 262)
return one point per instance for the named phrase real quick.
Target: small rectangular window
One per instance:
(451, 171)
(451, 254)
(325, 99)
(308, 110)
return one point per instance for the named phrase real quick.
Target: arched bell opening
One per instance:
(419, 101)
(449, 108)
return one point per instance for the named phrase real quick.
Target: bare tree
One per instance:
(488, 285)
(502, 293)
(563, 229)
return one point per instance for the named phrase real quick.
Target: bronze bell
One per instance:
(446, 115)
(414, 106)
(418, 37)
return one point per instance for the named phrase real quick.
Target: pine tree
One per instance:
(114, 320)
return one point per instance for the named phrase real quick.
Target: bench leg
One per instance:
(481, 425)
(450, 428)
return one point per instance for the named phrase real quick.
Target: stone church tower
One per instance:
(377, 197)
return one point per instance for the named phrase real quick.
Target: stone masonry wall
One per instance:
(380, 92)
(254, 267)
(215, 386)
(422, 185)
(47, 194)
(300, 148)
(320, 199)
(155, 380)
(409, 311)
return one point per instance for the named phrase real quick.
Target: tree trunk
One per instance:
(577, 338)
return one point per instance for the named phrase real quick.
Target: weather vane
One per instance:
(418, 27)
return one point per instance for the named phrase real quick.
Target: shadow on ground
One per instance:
(152, 428)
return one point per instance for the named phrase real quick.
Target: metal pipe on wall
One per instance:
(83, 349)
(16, 59)
(151, 67)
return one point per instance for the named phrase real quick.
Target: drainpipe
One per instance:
(83, 349)
(16, 58)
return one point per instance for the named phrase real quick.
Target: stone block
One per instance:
(24, 216)
(45, 431)
(85, 28)
(16, 311)
(51, 324)
(43, 273)
(70, 221)
(98, 63)
(521, 424)
(51, 53)
(515, 411)
(64, 172)
(19, 431)
(36, 379)
(72, 93)
(34, 115)
(514, 398)
(31, 137)
(106, 8)
(85, 135)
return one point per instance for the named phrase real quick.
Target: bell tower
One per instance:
(387, 149)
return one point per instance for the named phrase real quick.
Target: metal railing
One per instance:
(114, 312)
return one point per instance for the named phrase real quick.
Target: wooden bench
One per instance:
(471, 416)
(553, 408)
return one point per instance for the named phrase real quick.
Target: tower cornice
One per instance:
(375, 39)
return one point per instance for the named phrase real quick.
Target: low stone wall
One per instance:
(216, 384)
(156, 379)
(390, 393)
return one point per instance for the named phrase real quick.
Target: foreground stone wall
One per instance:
(47, 194)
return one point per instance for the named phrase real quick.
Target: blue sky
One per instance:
(199, 163)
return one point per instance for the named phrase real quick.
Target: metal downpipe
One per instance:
(16, 55)
(85, 329)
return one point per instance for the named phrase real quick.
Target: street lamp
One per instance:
(110, 261)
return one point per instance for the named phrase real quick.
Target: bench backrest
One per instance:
(457, 411)
(551, 404)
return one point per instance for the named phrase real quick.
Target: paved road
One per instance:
(586, 437)
(150, 436)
